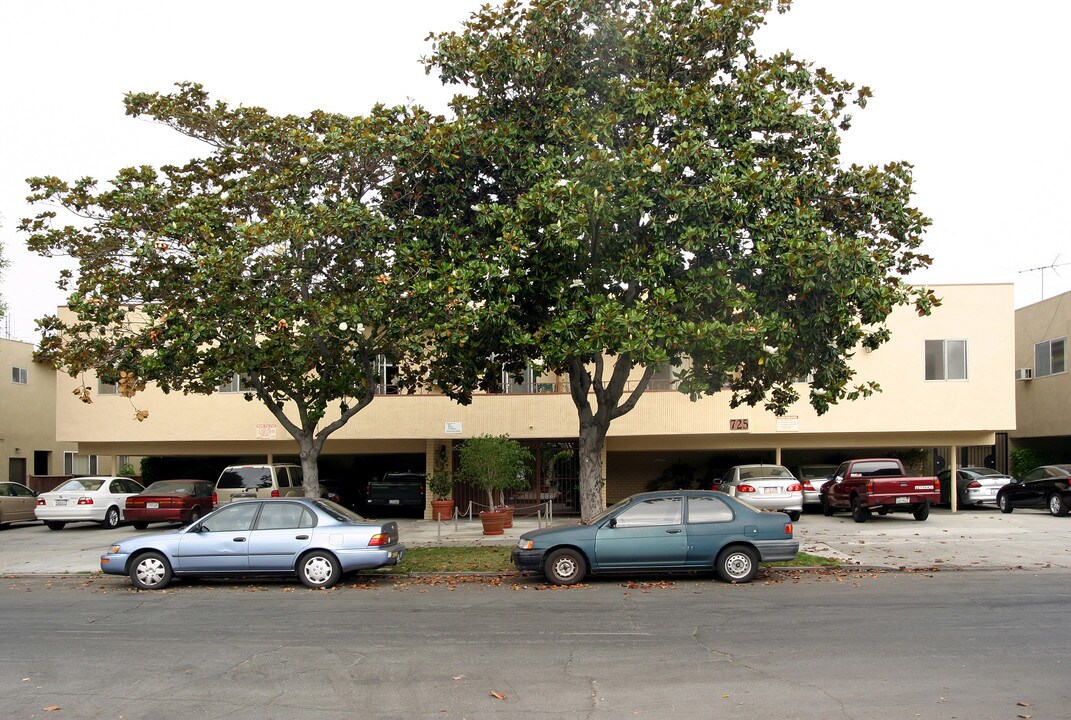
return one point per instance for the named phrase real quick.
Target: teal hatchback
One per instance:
(684, 530)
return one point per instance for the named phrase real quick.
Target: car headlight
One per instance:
(525, 544)
(114, 550)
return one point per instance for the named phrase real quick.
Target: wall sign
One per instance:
(737, 424)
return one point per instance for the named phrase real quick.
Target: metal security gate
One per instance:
(555, 478)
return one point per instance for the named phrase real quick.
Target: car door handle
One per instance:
(302, 537)
(673, 532)
(238, 539)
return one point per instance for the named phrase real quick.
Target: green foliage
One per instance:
(656, 192)
(495, 462)
(440, 484)
(1023, 460)
(286, 254)
(127, 470)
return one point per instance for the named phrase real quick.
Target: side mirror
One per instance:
(612, 523)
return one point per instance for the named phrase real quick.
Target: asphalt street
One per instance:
(847, 644)
(970, 539)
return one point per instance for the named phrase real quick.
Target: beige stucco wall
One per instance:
(909, 412)
(1042, 403)
(28, 412)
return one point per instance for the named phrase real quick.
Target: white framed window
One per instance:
(386, 376)
(1050, 357)
(20, 376)
(522, 383)
(238, 384)
(946, 359)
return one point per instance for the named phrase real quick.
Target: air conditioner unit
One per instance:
(1024, 374)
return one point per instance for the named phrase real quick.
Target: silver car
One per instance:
(767, 487)
(977, 485)
(813, 477)
(316, 540)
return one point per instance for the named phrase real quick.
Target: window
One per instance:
(19, 376)
(521, 383)
(656, 511)
(946, 359)
(238, 384)
(284, 515)
(75, 464)
(708, 509)
(104, 388)
(386, 376)
(233, 518)
(1049, 357)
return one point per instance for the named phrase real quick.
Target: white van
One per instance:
(244, 482)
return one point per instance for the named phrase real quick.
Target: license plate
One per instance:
(903, 500)
(394, 502)
(61, 502)
(924, 487)
(152, 505)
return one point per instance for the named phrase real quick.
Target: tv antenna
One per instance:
(1051, 266)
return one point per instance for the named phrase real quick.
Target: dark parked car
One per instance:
(316, 540)
(181, 501)
(1048, 486)
(671, 531)
(344, 493)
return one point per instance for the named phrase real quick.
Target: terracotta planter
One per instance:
(508, 512)
(442, 510)
(493, 522)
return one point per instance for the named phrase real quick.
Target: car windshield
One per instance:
(80, 485)
(245, 478)
(337, 512)
(607, 511)
(985, 472)
(768, 471)
(169, 487)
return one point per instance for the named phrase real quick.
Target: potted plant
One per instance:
(440, 485)
(494, 463)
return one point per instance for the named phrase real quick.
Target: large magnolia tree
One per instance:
(284, 256)
(659, 193)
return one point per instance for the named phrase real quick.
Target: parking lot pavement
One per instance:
(970, 539)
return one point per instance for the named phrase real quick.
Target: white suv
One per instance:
(244, 482)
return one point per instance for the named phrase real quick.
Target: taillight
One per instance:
(795, 487)
(745, 488)
(807, 485)
(973, 485)
(40, 501)
(936, 484)
(275, 493)
(214, 498)
(788, 529)
(85, 501)
(379, 539)
(870, 487)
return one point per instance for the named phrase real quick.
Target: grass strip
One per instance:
(496, 559)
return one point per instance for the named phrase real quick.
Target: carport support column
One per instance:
(953, 471)
(777, 456)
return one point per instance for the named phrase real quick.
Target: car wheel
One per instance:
(140, 525)
(1057, 506)
(827, 509)
(859, 513)
(1004, 504)
(319, 569)
(565, 567)
(54, 525)
(922, 511)
(195, 515)
(737, 564)
(111, 518)
(150, 571)
(793, 515)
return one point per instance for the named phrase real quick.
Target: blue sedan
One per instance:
(316, 540)
(670, 531)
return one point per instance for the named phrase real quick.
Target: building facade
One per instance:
(946, 384)
(28, 406)
(1043, 385)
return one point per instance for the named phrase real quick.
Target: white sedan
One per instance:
(767, 487)
(86, 499)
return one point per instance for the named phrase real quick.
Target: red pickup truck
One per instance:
(878, 484)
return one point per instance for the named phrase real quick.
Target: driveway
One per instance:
(969, 539)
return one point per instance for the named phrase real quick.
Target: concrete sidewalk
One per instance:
(970, 539)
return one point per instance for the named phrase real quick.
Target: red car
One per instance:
(181, 501)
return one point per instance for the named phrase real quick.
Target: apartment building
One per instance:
(947, 384)
(1043, 385)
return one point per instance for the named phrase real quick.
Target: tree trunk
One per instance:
(310, 467)
(592, 477)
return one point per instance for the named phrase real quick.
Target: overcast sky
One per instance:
(972, 92)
